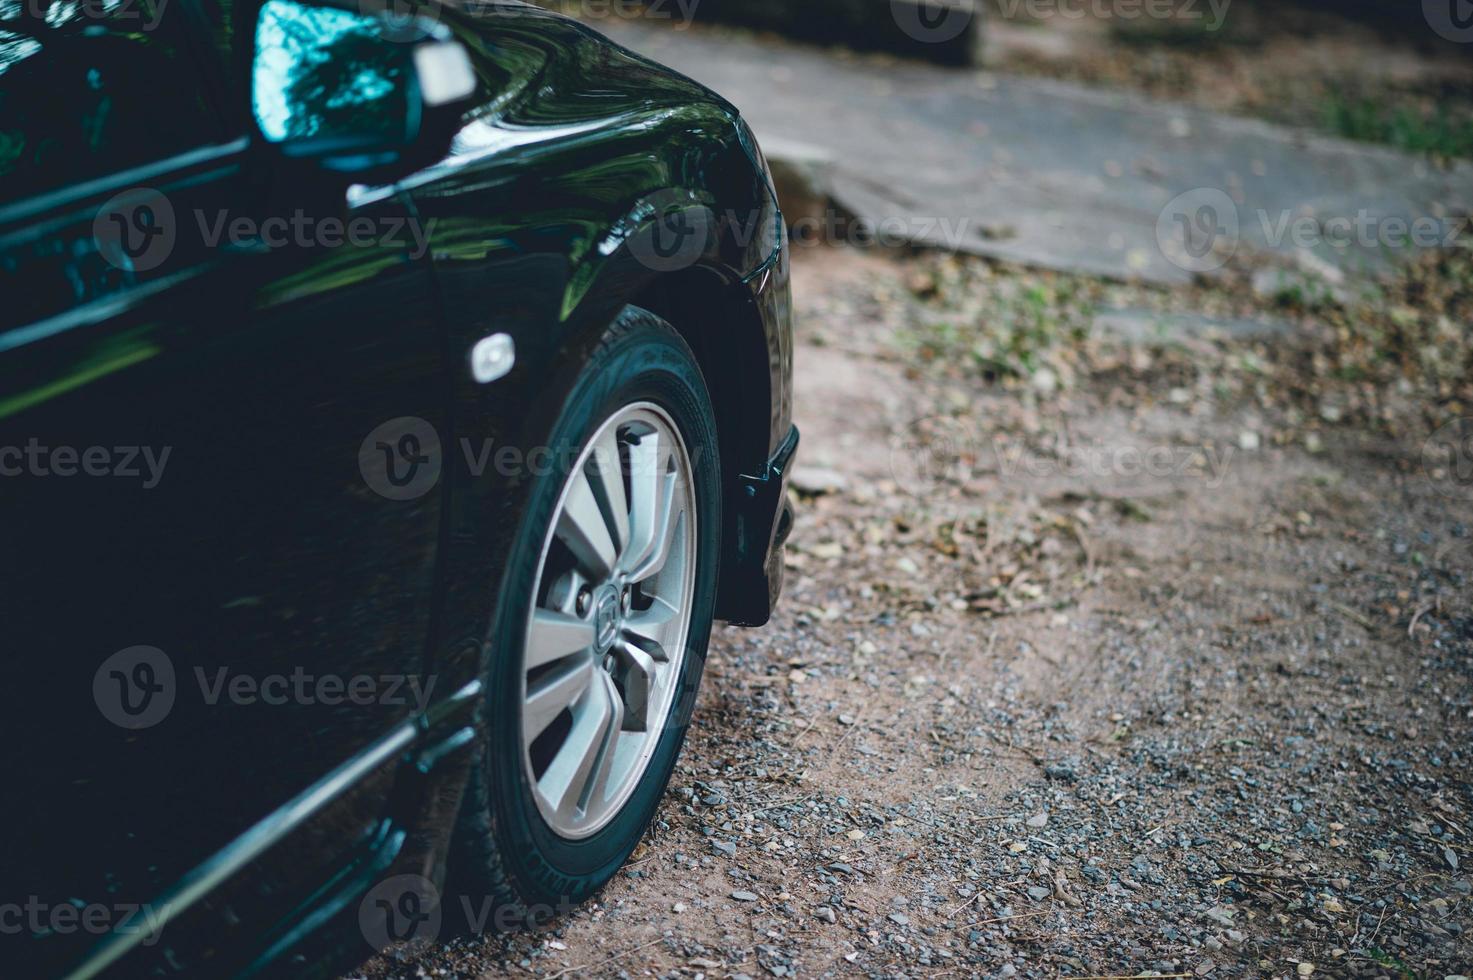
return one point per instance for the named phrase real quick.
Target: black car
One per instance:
(390, 400)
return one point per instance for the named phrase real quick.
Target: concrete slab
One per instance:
(1061, 176)
(1140, 326)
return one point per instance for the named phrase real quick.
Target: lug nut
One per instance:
(628, 598)
(585, 598)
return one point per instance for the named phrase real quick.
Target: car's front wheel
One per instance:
(601, 629)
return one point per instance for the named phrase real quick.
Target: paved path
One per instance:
(1063, 176)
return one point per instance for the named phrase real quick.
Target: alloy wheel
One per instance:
(606, 633)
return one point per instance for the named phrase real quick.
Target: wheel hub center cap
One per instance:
(606, 617)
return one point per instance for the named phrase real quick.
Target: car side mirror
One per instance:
(345, 89)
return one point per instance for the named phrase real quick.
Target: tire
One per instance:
(520, 856)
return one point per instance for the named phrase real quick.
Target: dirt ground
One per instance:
(1078, 673)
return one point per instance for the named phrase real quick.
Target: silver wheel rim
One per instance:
(607, 628)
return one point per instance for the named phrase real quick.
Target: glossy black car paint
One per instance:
(251, 829)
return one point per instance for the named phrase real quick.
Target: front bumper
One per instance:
(752, 577)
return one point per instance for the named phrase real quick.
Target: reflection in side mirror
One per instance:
(331, 84)
(325, 79)
(445, 73)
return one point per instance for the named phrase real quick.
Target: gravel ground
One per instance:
(1073, 677)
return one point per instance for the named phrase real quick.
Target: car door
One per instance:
(219, 478)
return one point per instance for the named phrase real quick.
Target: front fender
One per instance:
(566, 195)
(581, 147)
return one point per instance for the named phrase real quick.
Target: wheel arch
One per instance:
(724, 328)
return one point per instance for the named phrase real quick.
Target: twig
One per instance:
(1089, 555)
(1379, 922)
(806, 729)
(1003, 918)
(1027, 608)
(1353, 614)
(775, 806)
(975, 895)
(617, 956)
(1412, 626)
(1129, 976)
(1274, 875)
(858, 724)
